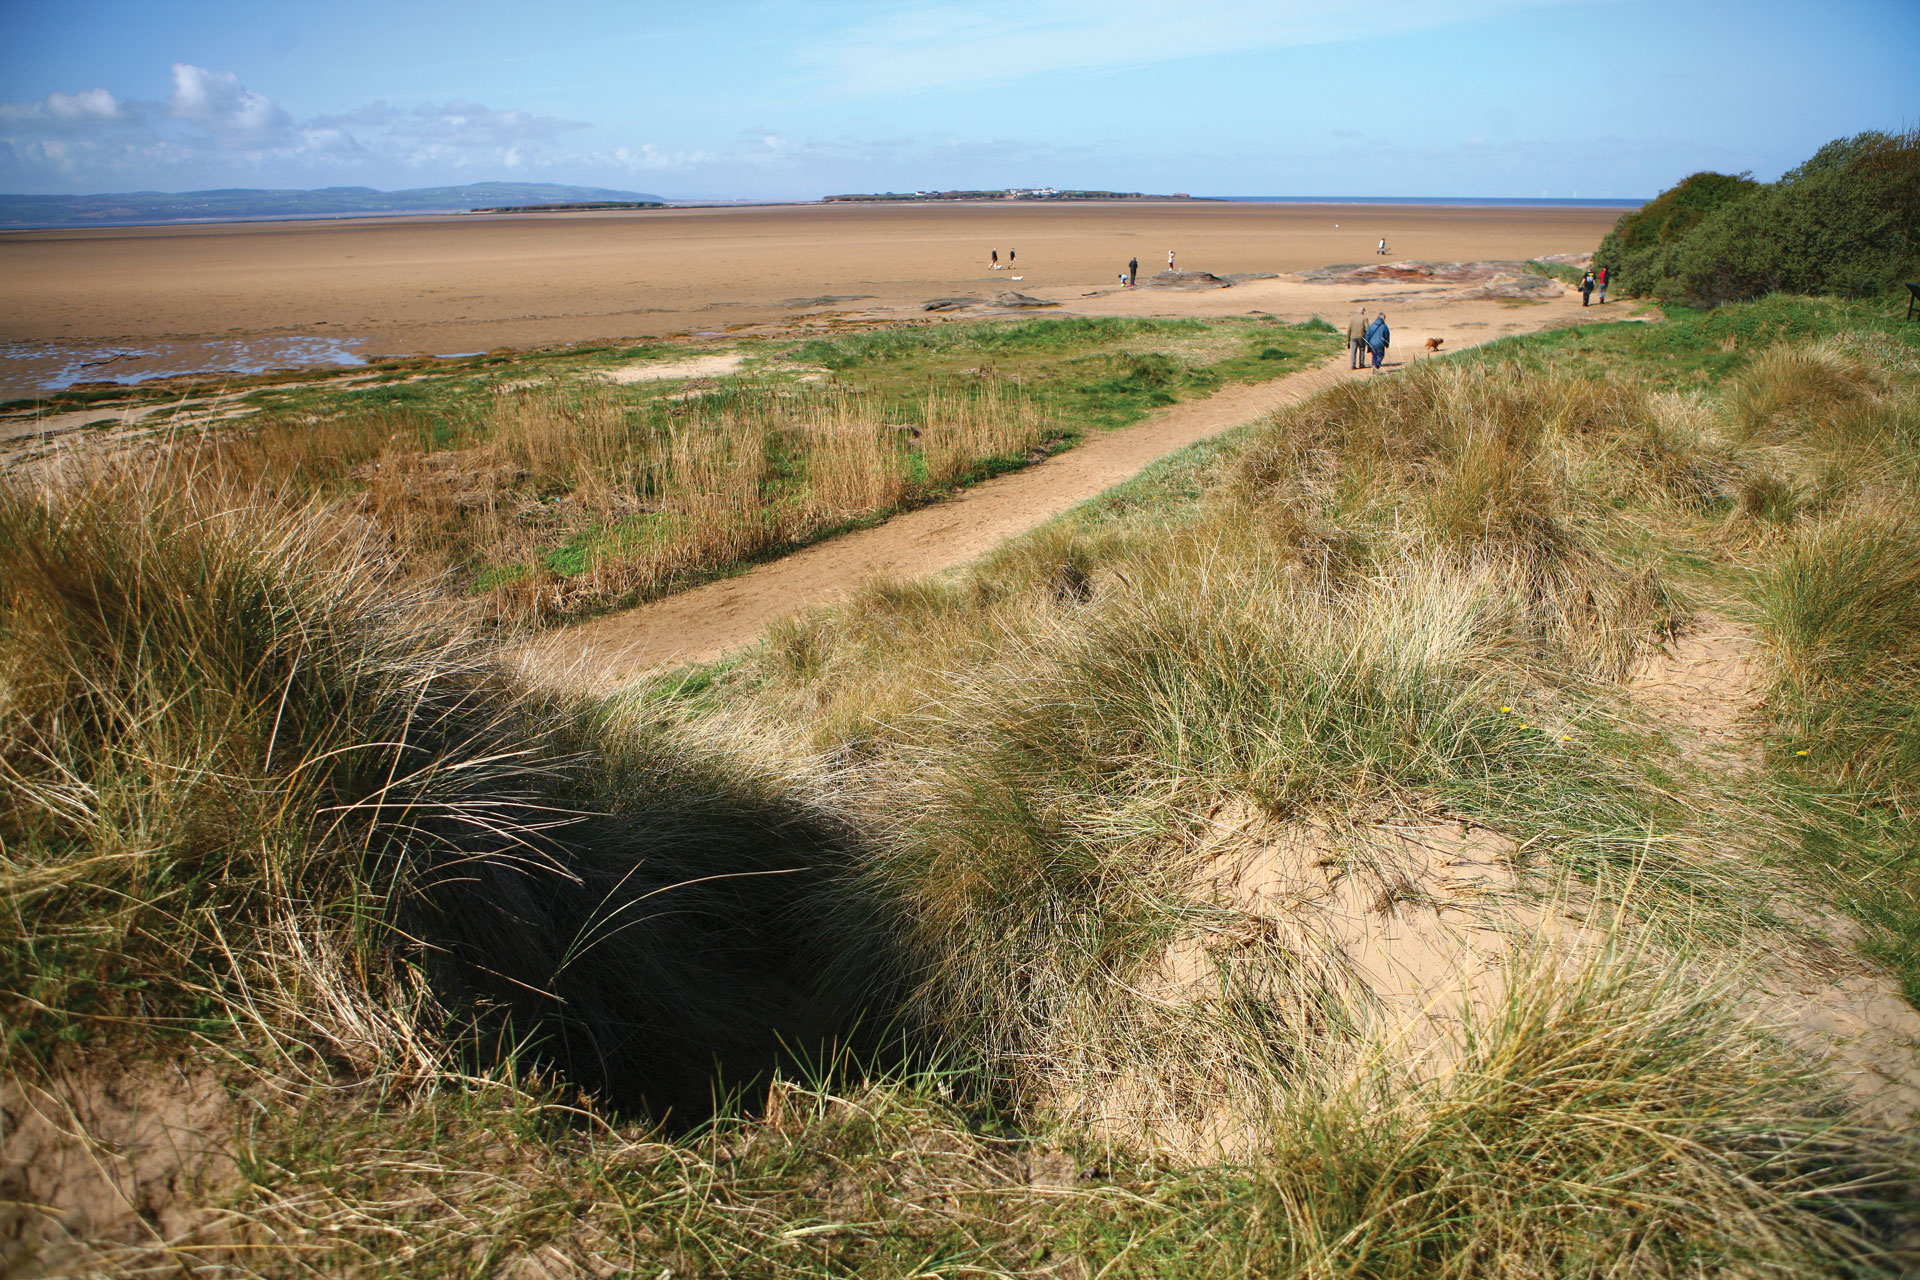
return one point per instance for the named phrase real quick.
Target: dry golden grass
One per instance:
(560, 501)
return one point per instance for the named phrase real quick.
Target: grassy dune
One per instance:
(543, 490)
(1097, 910)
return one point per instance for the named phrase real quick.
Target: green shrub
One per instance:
(1640, 248)
(1847, 222)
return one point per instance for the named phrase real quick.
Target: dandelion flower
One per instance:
(1506, 710)
(1799, 753)
(1525, 725)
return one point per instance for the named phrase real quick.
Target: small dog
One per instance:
(1433, 344)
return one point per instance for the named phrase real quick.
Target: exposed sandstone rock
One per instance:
(1185, 280)
(1413, 271)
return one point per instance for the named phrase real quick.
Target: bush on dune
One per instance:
(1642, 246)
(1847, 222)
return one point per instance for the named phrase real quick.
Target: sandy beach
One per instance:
(106, 304)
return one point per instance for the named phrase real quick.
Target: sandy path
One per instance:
(705, 622)
(1705, 688)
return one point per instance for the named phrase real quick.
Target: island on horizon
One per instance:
(1003, 193)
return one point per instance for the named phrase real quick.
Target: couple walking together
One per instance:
(1373, 338)
(1589, 282)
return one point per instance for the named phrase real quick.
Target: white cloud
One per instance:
(88, 104)
(214, 129)
(228, 110)
(213, 122)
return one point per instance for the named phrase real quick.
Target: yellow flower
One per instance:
(1799, 753)
(1525, 725)
(1565, 738)
(1505, 710)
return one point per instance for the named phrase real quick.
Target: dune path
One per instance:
(702, 623)
(707, 621)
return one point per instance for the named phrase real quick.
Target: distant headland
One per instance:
(251, 204)
(1005, 193)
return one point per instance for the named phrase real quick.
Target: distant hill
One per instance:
(237, 204)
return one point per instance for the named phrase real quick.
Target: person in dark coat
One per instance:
(1586, 288)
(1379, 338)
(1133, 271)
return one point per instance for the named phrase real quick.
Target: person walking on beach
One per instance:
(1133, 271)
(1586, 287)
(1383, 246)
(1603, 284)
(1009, 259)
(1357, 338)
(1379, 338)
(996, 259)
(1169, 259)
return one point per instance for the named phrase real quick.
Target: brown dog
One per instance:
(1433, 344)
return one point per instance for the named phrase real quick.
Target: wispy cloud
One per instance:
(214, 121)
(917, 47)
(213, 127)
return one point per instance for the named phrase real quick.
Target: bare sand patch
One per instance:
(1706, 688)
(1371, 940)
(108, 1159)
(665, 370)
(1704, 684)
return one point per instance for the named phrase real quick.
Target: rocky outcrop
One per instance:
(1413, 271)
(949, 304)
(1486, 279)
(1524, 286)
(1020, 301)
(1185, 280)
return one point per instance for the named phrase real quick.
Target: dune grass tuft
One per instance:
(252, 786)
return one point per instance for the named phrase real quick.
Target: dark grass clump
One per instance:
(248, 781)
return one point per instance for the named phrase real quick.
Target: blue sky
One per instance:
(779, 99)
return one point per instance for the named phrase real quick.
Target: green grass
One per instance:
(1557, 271)
(1093, 372)
(1695, 348)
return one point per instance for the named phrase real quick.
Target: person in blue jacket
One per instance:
(1378, 339)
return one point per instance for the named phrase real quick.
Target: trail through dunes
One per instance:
(1706, 688)
(705, 622)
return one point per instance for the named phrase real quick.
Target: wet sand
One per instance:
(441, 285)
